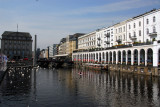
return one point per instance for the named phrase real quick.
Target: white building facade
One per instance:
(136, 41)
(120, 33)
(144, 28)
(105, 37)
(87, 41)
(50, 51)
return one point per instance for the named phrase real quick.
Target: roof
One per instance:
(75, 36)
(10, 33)
(63, 40)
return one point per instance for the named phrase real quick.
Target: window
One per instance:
(147, 21)
(134, 25)
(154, 29)
(139, 23)
(15, 47)
(134, 34)
(129, 27)
(130, 35)
(10, 46)
(5, 41)
(139, 32)
(123, 37)
(124, 29)
(5, 52)
(5, 46)
(147, 31)
(154, 19)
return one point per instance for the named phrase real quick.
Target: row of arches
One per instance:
(129, 57)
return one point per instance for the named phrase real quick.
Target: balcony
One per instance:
(107, 35)
(98, 44)
(107, 42)
(133, 38)
(153, 34)
(119, 40)
(99, 38)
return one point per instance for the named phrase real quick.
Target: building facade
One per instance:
(50, 51)
(16, 45)
(69, 44)
(62, 47)
(87, 41)
(144, 28)
(136, 42)
(120, 33)
(55, 49)
(44, 53)
(105, 37)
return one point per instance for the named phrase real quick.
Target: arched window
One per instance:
(154, 29)
(147, 21)
(154, 19)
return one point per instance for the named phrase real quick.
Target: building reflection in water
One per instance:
(78, 87)
(118, 89)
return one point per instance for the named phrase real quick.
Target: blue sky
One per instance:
(52, 20)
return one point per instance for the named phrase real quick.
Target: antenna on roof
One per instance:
(17, 27)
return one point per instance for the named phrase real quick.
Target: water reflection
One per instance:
(78, 87)
(120, 89)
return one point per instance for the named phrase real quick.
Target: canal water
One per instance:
(77, 88)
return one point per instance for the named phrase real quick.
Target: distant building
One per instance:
(55, 49)
(62, 46)
(69, 44)
(16, 45)
(44, 53)
(50, 51)
(87, 41)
